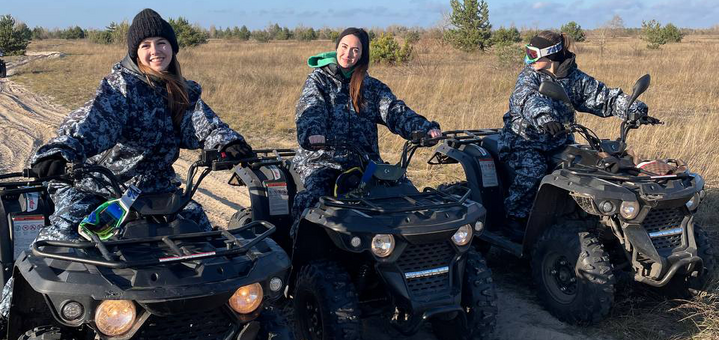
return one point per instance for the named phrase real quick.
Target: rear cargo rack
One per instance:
(369, 204)
(112, 251)
(461, 137)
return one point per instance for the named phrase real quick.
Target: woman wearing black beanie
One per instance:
(534, 124)
(142, 114)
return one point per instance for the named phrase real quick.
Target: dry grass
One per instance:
(254, 87)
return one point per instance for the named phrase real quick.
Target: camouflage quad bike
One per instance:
(160, 277)
(383, 249)
(589, 221)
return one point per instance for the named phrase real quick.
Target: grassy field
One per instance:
(254, 87)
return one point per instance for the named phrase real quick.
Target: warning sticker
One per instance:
(278, 197)
(24, 232)
(489, 173)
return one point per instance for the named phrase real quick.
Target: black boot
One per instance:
(514, 228)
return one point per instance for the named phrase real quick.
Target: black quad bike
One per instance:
(380, 249)
(595, 215)
(3, 69)
(159, 277)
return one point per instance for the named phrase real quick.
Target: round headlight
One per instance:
(275, 284)
(356, 242)
(462, 236)
(72, 310)
(382, 245)
(478, 226)
(607, 207)
(247, 298)
(629, 209)
(115, 317)
(693, 203)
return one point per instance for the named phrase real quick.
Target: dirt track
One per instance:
(28, 120)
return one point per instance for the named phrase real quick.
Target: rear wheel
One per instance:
(325, 303)
(573, 274)
(479, 300)
(686, 286)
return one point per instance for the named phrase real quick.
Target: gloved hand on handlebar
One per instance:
(553, 128)
(238, 149)
(53, 165)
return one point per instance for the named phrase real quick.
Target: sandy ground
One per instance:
(27, 120)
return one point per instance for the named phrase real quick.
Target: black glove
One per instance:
(238, 150)
(553, 128)
(50, 166)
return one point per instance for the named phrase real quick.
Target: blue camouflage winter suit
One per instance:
(525, 146)
(127, 128)
(325, 108)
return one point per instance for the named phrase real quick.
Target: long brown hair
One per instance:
(177, 98)
(356, 85)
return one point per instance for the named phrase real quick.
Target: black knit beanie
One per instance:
(364, 40)
(147, 24)
(540, 42)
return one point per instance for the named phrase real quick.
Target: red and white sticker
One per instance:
(24, 231)
(278, 198)
(187, 257)
(31, 201)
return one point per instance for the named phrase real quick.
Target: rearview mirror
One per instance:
(640, 86)
(554, 90)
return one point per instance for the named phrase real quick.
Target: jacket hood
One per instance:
(322, 59)
(128, 64)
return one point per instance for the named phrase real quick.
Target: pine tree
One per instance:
(472, 30)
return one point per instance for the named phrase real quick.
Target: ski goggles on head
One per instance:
(534, 53)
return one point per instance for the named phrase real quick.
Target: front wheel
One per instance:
(45, 333)
(326, 305)
(274, 326)
(240, 218)
(686, 286)
(573, 275)
(479, 300)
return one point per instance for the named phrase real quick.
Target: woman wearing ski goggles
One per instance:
(534, 124)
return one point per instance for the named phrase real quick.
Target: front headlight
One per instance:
(115, 317)
(629, 209)
(462, 236)
(693, 203)
(382, 245)
(247, 298)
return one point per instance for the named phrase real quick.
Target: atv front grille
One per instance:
(426, 267)
(208, 325)
(666, 225)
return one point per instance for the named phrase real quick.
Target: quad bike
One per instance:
(160, 276)
(381, 248)
(596, 215)
(3, 69)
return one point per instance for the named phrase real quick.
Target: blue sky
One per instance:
(364, 13)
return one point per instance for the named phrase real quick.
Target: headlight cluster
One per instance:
(693, 203)
(629, 209)
(115, 317)
(382, 245)
(247, 298)
(463, 235)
